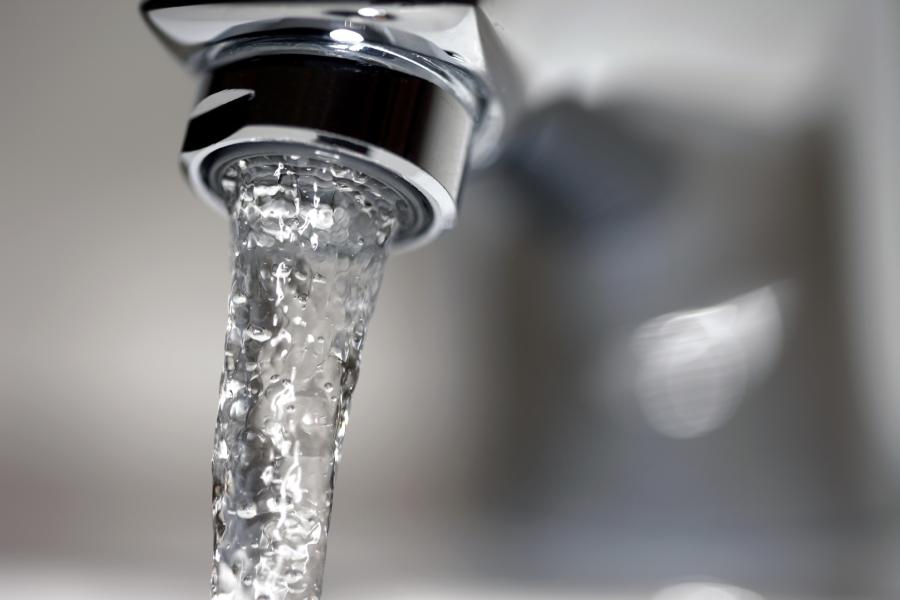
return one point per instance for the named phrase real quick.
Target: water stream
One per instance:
(310, 240)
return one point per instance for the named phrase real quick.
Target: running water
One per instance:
(310, 242)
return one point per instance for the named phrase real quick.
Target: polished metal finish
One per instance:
(403, 89)
(379, 120)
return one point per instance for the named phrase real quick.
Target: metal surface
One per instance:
(406, 89)
(391, 125)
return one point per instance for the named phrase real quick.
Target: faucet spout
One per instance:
(401, 91)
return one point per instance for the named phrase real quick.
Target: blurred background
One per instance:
(658, 359)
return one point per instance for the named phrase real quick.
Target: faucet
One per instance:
(408, 92)
(397, 100)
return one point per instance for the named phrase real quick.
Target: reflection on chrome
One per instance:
(706, 591)
(347, 36)
(695, 367)
(370, 12)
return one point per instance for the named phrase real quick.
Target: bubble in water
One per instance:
(310, 244)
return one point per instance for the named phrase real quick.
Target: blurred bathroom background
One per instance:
(658, 359)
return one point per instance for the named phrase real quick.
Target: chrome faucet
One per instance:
(412, 92)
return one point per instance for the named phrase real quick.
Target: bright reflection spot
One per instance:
(220, 98)
(706, 591)
(371, 12)
(346, 36)
(695, 367)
